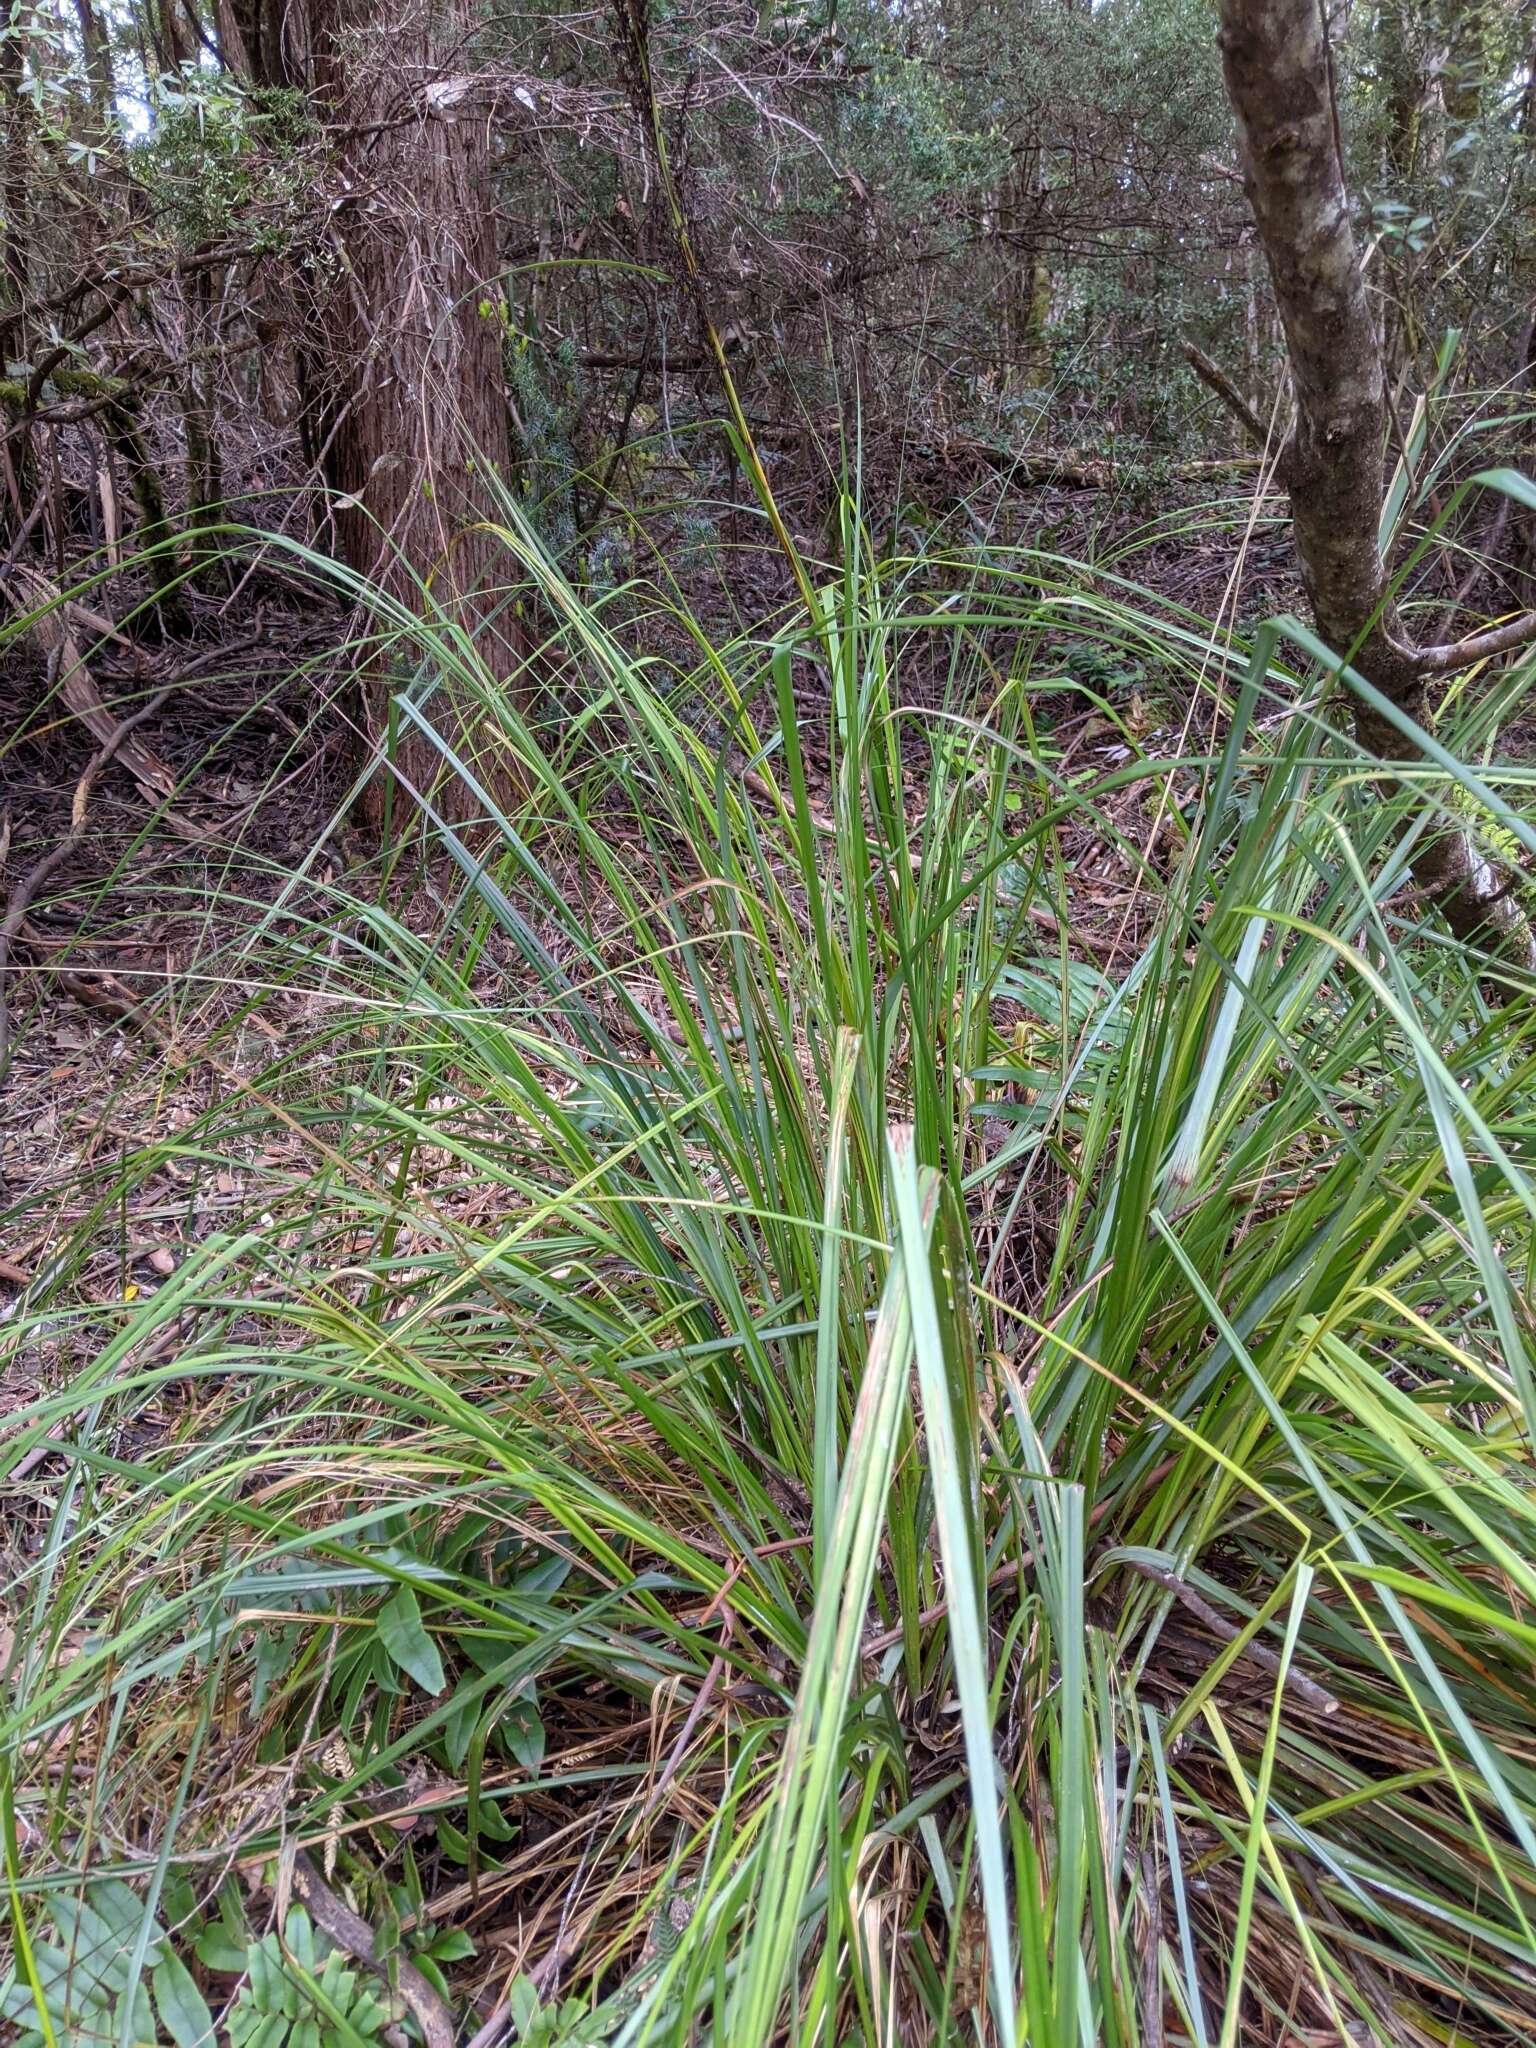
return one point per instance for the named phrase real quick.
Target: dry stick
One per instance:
(352, 1933)
(24, 532)
(1215, 379)
(27, 888)
(701, 1700)
(1150, 1894)
(1306, 1688)
(51, 622)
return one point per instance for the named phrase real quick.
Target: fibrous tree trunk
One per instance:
(16, 458)
(171, 35)
(1279, 78)
(200, 425)
(1029, 288)
(406, 373)
(96, 49)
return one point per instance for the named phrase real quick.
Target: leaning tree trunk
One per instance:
(411, 413)
(1279, 78)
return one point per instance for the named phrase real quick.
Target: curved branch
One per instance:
(1215, 379)
(1455, 654)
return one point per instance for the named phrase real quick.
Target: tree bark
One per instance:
(156, 531)
(1029, 289)
(407, 374)
(1279, 78)
(17, 478)
(96, 50)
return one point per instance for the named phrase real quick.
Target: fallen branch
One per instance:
(1304, 1688)
(50, 622)
(36, 877)
(351, 1932)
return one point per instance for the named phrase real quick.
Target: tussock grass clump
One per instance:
(618, 1470)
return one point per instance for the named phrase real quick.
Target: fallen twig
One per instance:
(50, 622)
(1257, 1653)
(40, 873)
(351, 1932)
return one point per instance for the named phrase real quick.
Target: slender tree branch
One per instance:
(125, 278)
(335, 1918)
(1455, 654)
(1215, 379)
(1258, 1653)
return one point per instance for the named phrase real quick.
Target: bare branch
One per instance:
(337, 1920)
(52, 625)
(1258, 1653)
(1215, 379)
(1455, 654)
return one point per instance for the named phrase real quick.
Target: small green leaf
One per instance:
(242, 2023)
(179, 1903)
(216, 1948)
(407, 1641)
(453, 1945)
(183, 2009)
(271, 2031)
(494, 1825)
(427, 1965)
(523, 2001)
(524, 1731)
(99, 1952)
(262, 1989)
(122, 1910)
(452, 1844)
